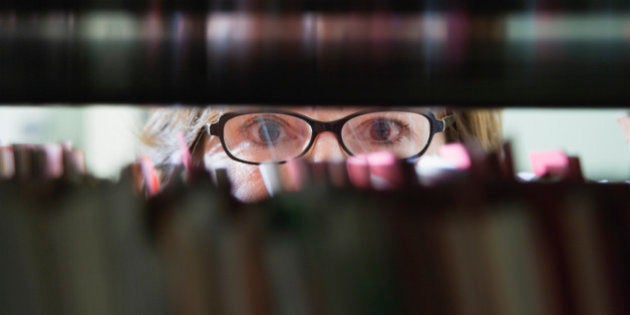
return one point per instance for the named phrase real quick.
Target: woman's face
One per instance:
(272, 136)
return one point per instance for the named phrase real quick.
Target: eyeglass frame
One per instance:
(317, 127)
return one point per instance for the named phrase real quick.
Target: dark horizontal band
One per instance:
(462, 59)
(169, 6)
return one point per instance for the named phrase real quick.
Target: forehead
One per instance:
(323, 113)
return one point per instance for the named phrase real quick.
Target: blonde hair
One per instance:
(481, 126)
(160, 134)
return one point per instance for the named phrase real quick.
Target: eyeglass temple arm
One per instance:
(193, 145)
(446, 122)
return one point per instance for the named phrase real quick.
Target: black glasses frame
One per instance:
(216, 129)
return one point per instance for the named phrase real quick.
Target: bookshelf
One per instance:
(467, 241)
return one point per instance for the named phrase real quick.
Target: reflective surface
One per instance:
(277, 136)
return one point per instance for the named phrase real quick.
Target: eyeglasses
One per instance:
(275, 136)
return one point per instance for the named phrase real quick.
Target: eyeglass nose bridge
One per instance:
(324, 126)
(327, 126)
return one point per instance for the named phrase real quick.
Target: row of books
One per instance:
(465, 238)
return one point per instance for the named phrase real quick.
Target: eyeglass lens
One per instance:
(402, 133)
(274, 137)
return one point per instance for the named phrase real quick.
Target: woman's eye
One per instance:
(269, 132)
(381, 130)
(384, 130)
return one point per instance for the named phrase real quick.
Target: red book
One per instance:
(151, 180)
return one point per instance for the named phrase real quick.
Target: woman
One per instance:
(241, 138)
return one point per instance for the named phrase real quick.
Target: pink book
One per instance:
(359, 171)
(385, 171)
(457, 154)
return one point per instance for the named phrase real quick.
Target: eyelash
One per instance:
(404, 128)
(258, 120)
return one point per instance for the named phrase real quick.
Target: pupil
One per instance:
(380, 130)
(269, 132)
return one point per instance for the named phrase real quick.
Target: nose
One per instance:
(326, 148)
